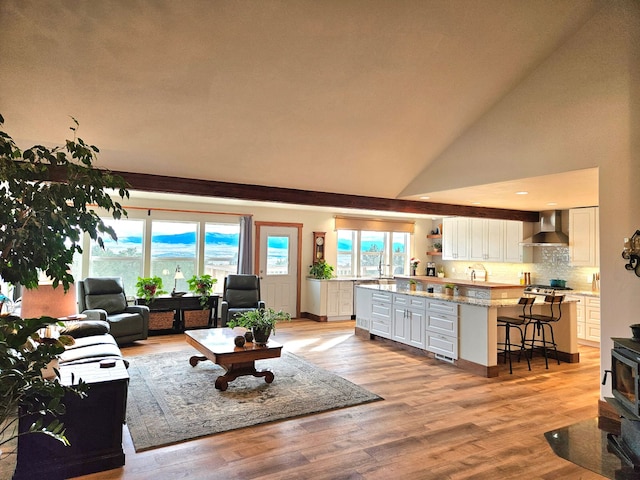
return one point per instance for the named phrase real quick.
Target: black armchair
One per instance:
(104, 299)
(241, 294)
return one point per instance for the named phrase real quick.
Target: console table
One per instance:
(93, 427)
(180, 304)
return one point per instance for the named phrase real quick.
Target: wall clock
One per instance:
(318, 246)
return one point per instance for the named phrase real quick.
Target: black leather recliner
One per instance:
(104, 299)
(241, 294)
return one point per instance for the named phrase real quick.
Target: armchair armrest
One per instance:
(96, 314)
(261, 304)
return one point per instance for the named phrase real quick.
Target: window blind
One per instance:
(373, 224)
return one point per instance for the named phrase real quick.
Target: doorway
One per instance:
(278, 263)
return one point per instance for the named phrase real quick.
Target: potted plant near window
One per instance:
(149, 288)
(321, 270)
(48, 199)
(262, 322)
(202, 285)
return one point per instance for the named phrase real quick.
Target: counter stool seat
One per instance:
(540, 324)
(510, 323)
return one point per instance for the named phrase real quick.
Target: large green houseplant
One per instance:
(321, 270)
(48, 196)
(261, 321)
(202, 285)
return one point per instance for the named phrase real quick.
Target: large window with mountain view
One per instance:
(173, 245)
(221, 243)
(372, 254)
(123, 258)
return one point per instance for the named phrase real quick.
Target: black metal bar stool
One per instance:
(512, 322)
(539, 323)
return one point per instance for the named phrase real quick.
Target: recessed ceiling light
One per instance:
(522, 193)
(551, 204)
(425, 198)
(476, 203)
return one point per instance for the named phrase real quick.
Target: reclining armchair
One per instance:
(241, 294)
(104, 299)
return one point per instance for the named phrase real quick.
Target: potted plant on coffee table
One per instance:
(202, 285)
(262, 322)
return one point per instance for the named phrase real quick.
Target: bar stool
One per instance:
(511, 322)
(539, 322)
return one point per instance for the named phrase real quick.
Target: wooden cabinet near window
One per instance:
(584, 243)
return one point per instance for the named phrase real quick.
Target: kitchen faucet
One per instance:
(473, 275)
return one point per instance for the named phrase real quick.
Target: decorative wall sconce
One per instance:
(631, 252)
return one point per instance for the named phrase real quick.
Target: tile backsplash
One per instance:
(549, 262)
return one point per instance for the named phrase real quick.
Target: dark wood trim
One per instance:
(211, 188)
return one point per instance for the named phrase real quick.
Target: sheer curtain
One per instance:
(244, 250)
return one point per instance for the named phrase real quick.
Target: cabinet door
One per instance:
(582, 237)
(592, 319)
(513, 236)
(580, 319)
(345, 298)
(400, 327)
(333, 299)
(455, 232)
(477, 239)
(416, 328)
(381, 314)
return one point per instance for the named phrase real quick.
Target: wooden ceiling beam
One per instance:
(210, 188)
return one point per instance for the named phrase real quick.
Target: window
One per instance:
(173, 244)
(123, 258)
(221, 251)
(347, 239)
(277, 255)
(372, 253)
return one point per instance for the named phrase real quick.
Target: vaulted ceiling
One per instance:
(346, 96)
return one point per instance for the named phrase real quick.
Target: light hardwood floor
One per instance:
(436, 421)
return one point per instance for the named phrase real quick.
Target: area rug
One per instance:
(169, 401)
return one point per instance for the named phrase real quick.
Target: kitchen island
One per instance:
(457, 329)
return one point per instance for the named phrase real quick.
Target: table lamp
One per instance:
(178, 276)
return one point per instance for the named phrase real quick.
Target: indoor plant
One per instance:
(261, 321)
(149, 288)
(321, 270)
(437, 247)
(414, 262)
(448, 288)
(202, 285)
(49, 197)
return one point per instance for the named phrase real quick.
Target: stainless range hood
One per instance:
(550, 232)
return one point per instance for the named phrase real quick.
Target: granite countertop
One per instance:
(458, 281)
(459, 299)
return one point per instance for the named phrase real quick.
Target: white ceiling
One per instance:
(350, 96)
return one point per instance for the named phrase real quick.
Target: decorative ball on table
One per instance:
(239, 341)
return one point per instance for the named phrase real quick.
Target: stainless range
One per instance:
(546, 290)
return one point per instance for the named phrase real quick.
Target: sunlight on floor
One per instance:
(315, 344)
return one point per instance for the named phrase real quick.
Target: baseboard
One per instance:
(314, 317)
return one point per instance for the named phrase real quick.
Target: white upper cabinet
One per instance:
(486, 240)
(584, 244)
(455, 238)
(513, 236)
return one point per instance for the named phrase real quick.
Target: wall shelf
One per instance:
(434, 253)
(434, 236)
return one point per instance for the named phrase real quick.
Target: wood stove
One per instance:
(625, 386)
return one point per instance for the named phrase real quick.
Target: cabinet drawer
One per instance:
(442, 344)
(592, 302)
(445, 308)
(381, 297)
(409, 301)
(442, 324)
(381, 326)
(592, 331)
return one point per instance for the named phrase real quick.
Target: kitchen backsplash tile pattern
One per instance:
(549, 262)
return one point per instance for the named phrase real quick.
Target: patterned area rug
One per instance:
(169, 401)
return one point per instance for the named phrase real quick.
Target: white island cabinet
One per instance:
(457, 329)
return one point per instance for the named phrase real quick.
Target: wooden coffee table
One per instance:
(217, 345)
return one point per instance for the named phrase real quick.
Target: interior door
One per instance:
(278, 267)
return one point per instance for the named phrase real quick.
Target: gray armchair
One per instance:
(104, 299)
(241, 294)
